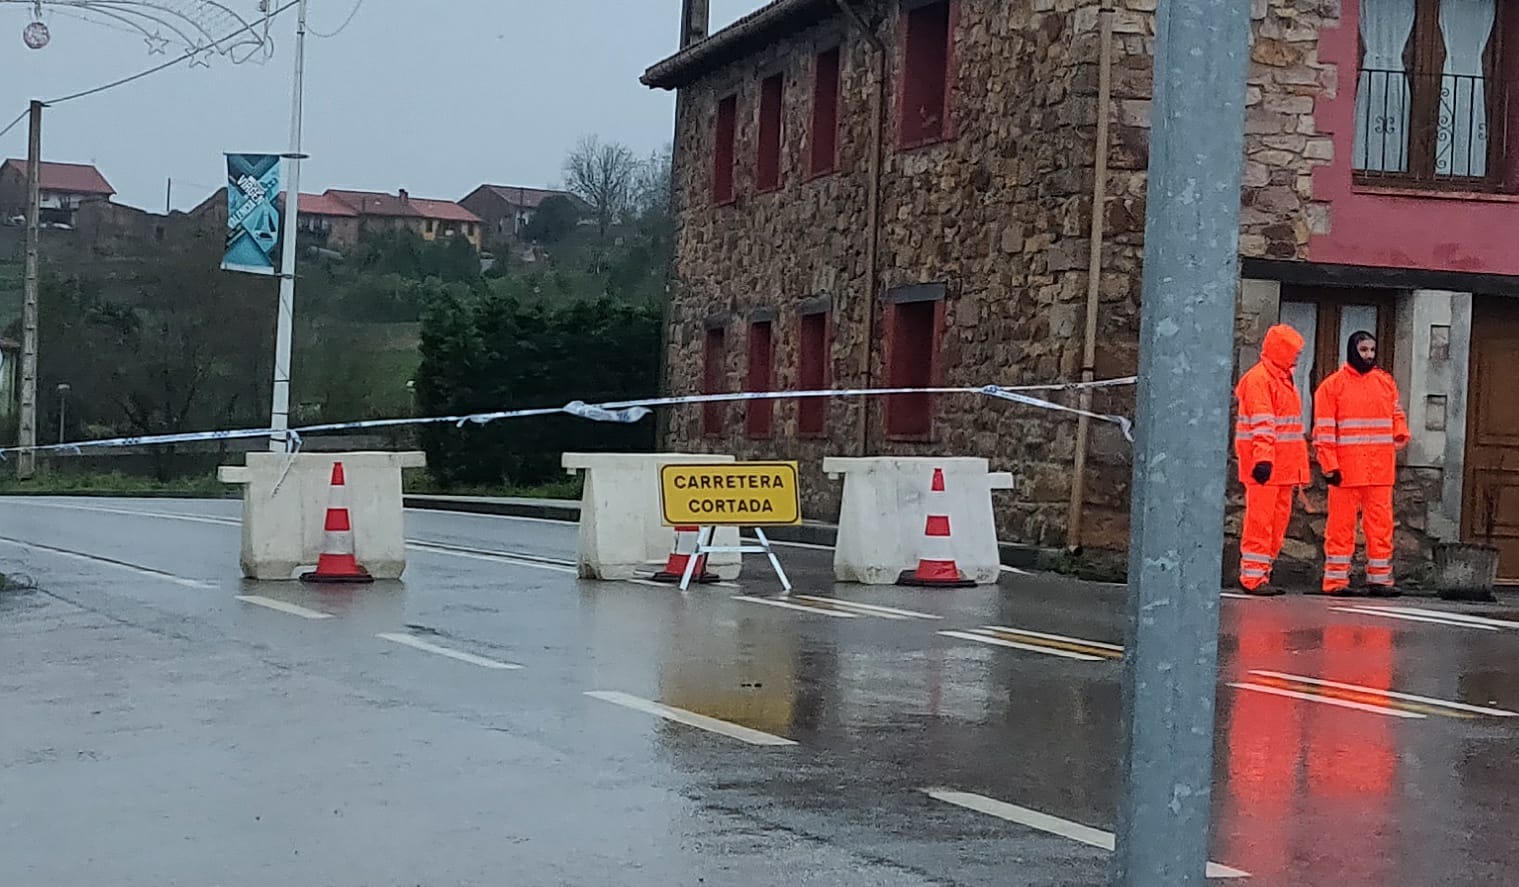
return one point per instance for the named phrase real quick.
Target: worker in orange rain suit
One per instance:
(1358, 427)
(1273, 455)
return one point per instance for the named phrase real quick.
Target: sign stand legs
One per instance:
(704, 547)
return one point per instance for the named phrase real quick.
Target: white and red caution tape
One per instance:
(621, 412)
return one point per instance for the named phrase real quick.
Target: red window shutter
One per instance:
(927, 55)
(913, 348)
(722, 158)
(714, 381)
(825, 112)
(759, 414)
(812, 375)
(771, 125)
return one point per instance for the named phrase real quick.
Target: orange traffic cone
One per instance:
(936, 562)
(680, 557)
(337, 563)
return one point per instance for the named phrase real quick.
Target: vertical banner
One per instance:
(253, 220)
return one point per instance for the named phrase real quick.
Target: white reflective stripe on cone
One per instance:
(936, 548)
(685, 540)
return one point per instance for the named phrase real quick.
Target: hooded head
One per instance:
(1361, 352)
(1282, 346)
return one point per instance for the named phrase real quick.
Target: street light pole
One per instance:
(1191, 280)
(26, 463)
(279, 418)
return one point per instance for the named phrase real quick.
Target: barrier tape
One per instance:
(620, 412)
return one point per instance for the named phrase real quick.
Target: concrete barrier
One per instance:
(882, 517)
(622, 532)
(283, 528)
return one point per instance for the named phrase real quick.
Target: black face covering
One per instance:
(1353, 354)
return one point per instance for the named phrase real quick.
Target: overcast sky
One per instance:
(435, 96)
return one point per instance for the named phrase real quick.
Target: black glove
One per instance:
(1334, 477)
(1261, 472)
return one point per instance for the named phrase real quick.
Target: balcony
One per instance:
(1444, 131)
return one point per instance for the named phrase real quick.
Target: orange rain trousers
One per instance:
(1268, 509)
(1375, 507)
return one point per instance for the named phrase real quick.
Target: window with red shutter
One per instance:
(812, 375)
(927, 55)
(722, 155)
(825, 112)
(714, 381)
(767, 169)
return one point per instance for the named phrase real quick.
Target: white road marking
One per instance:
(689, 718)
(283, 607)
(1236, 595)
(111, 562)
(1389, 613)
(1053, 825)
(501, 558)
(817, 611)
(1000, 642)
(167, 515)
(1375, 691)
(508, 517)
(676, 585)
(419, 644)
(1450, 614)
(869, 609)
(1329, 700)
(1058, 637)
(1015, 571)
(810, 546)
(518, 560)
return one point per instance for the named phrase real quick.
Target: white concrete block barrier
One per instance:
(622, 533)
(285, 498)
(884, 507)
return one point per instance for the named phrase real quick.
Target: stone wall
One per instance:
(998, 214)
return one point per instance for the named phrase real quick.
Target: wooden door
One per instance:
(1491, 507)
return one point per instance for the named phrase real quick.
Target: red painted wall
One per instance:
(1421, 230)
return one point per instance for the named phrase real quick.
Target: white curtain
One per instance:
(1466, 26)
(1303, 317)
(1382, 95)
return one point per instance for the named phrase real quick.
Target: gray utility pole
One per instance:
(1191, 278)
(284, 331)
(26, 463)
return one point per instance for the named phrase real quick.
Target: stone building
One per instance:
(902, 192)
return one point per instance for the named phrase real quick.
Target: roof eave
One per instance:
(742, 38)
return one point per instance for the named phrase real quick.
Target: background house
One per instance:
(955, 250)
(506, 210)
(64, 187)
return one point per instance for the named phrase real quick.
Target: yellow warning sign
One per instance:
(731, 494)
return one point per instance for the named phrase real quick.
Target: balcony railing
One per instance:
(1446, 130)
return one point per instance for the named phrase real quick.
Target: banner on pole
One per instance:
(253, 219)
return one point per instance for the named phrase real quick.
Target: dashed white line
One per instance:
(493, 558)
(1053, 825)
(868, 609)
(282, 606)
(1235, 595)
(1376, 691)
(816, 611)
(1385, 711)
(112, 562)
(1058, 637)
(1389, 613)
(690, 718)
(419, 644)
(1451, 615)
(1015, 571)
(1030, 648)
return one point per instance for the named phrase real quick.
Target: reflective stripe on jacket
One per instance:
(1270, 423)
(1358, 425)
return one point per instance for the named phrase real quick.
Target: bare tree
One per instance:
(652, 184)
(604, 175)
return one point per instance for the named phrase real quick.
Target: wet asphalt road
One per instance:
(156, 729)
